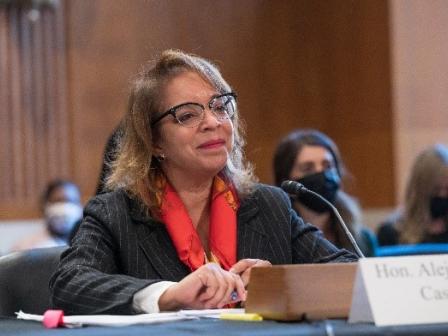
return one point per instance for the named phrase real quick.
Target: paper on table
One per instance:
(72, 321)
(111, 320)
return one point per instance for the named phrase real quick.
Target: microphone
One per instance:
(296, 188)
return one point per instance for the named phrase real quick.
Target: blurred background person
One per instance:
(62, 210)
(423, 217)
(312, 158)
(109, 156)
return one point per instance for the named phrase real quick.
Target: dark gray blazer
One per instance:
(119, 250)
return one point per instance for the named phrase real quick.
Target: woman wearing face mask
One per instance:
(311, 158)
(62, 210)
(423, 218)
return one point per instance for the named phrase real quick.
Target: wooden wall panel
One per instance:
(6, 188)
(322, 64)
(419, 56)
(32, 103)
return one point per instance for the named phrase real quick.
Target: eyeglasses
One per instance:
(191, 114)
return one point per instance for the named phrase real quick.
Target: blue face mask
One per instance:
(326, 184)
(438, 207)
(61, 217)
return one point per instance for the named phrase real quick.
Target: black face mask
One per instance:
(326, 184)
(439, 207)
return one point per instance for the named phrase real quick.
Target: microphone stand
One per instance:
(298, 188)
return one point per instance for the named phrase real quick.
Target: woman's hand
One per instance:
(208, 287)
(243, 267)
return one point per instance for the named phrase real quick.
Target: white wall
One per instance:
(419, 60)
(12, 231)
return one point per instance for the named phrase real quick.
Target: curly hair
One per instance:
(136, 169)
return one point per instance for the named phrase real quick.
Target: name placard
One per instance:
(401, 290)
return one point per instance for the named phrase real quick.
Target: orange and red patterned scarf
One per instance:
(222, 226)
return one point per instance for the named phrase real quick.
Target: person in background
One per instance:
(109, 156)
(62, 210)
(312, 159)
(185, 221)
(423, 217)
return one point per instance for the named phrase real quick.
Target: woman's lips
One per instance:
(212, 144)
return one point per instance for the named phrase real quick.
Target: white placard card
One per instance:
(401, 290)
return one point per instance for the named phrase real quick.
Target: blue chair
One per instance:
(411, 249)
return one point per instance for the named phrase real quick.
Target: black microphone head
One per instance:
(292, 187)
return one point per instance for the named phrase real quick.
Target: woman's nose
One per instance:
(210, 119)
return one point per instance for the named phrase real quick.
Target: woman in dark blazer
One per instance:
(185, 221)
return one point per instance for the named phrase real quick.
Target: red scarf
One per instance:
(222, 226)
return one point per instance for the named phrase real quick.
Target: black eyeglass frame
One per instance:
(172, 111)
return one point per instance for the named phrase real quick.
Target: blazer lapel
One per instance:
(252, 238)
(157, 246)
(161, 253)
